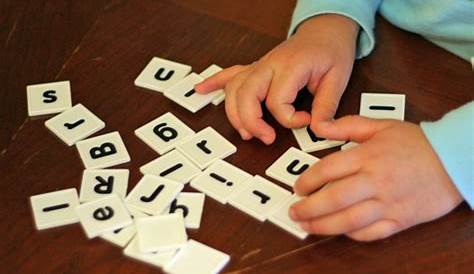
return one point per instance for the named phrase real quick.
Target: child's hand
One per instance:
(393, 180)
(320, 55)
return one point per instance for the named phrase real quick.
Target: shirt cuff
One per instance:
(452, 138)
(361, 11)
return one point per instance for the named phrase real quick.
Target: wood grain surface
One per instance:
(101, 46)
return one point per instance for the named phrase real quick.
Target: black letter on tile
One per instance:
(189, 93)
(75, 124)
(158, 74)
(263, 198)
(202, 146)
(55, 207)
(104, 186)
(166, 133)
(103, 150)
(117, 231)
(49, 96)
(313, 136)
(102, 214)
(171, 169)
(291, 168)
(174, 206)
(153, 195)
(221, 179)
(375, 107)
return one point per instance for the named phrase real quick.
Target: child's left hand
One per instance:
(391, 181)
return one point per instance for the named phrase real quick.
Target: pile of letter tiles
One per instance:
(150, 221)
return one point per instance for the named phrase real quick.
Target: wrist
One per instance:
(330, 23)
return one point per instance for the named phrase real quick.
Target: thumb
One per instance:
(219, 80)
(326, 99)
(354, 128)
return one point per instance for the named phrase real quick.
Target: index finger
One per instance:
(219, 80)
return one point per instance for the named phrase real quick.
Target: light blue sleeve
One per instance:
(361, 11)
(452, 138)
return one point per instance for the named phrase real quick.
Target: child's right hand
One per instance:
(320, 56)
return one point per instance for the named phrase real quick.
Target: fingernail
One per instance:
(197, 87)
(266, 139)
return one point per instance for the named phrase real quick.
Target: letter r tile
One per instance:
(259, 198)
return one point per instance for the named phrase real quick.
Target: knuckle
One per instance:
(353, 219)
(336, 199)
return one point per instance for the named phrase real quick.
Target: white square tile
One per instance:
(161, 74)
(309, 142)
(191, 205)
(259, 198)
(183, 94)
(48, 98)
(74, 124)
(349, 145)
(161, 233)
(197, 258)
(122, 236)
(164, 133)
(281, 218)
(103, 151)
(218, 99)
(173, 165)
(205, 147)
(218, 95)
(158, 259)
(103, 215)
(220, 180)
(153, 194)
(290, 166)
(382, 106)
(96, 183)
(55, 208)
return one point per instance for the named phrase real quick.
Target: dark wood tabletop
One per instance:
(102, 45)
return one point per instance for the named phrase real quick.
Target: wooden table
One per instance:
(102, 45)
